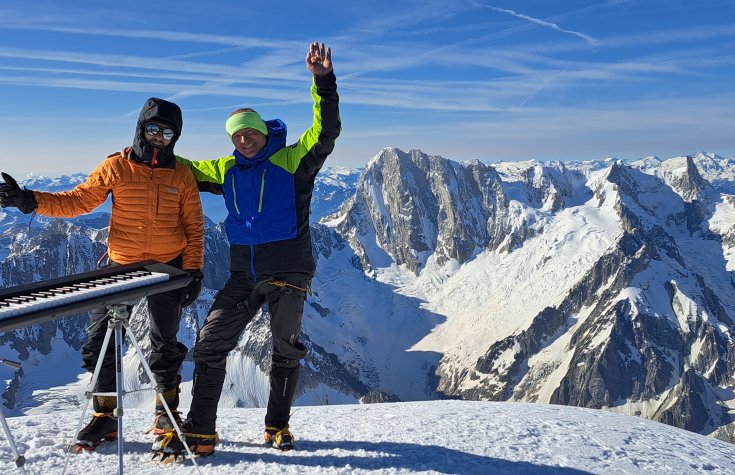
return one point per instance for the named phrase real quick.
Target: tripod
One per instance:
(120, 314)
(19, 459)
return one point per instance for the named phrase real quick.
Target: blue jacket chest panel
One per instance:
(262, 204)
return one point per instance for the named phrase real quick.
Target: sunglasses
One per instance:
(153, 130)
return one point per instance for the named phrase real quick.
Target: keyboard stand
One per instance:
(19, 459)
(119, 319)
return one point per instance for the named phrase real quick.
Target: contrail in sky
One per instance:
(538, 21)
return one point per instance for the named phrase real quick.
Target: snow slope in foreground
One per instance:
(456, 437)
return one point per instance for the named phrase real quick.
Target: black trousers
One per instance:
(167, 354)
(234, 307)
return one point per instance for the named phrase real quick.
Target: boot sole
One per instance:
(80, 447)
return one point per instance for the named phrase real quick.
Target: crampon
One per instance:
(102, 427)
(281, 439)
(168, 447)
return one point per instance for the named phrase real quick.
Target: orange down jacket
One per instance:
(156, 212)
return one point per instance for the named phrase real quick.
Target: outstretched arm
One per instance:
(314, 145)
(66, 204)
(209, 174)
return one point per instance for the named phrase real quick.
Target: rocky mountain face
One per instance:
(603, 284)
(419, 206)
(643, 327)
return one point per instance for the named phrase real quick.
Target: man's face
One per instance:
(155, 133)
(248, 142)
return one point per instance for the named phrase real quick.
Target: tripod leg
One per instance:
(148, 371)
(90, 391)
(19, 459)
(119, 382)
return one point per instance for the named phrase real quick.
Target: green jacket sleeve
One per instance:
(209, 171)
(317, 142)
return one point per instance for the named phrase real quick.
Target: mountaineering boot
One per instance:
(103, 425)
(281, 439)
(162, 422)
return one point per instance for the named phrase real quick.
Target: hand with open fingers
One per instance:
(12, 196)
(319, 59)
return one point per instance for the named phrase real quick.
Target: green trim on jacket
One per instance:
(211, 171)
(289, 158)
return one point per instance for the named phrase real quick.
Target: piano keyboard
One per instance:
(57, 296)
(43, 301)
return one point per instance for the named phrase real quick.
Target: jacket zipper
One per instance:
(252, 262)
(262, 188)
(234, 194)
(260, 209)
(152, 214)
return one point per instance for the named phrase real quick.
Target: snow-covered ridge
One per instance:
(457, 437)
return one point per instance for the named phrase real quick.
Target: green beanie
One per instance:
(245, 120)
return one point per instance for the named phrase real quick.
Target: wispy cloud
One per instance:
(258, 80)
(174, 36)
(541, 22)
(146, 63)
(405, 16)
(273, 65)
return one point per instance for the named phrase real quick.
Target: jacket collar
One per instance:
(276, 141)
(128, 153)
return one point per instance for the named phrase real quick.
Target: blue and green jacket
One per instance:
(268, 196)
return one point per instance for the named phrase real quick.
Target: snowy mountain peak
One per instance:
(422, 206)
(62, 183)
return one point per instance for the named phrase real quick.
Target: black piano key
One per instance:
(20, 299)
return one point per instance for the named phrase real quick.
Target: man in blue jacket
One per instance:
(267, 188)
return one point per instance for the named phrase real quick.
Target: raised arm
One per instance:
(317, 142)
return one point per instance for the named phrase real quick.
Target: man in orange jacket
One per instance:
(156, 214)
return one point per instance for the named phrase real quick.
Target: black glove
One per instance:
(11, 196)
(192, 290)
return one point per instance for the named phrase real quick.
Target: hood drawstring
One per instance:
(154, 160)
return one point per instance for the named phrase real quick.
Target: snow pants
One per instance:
(167, 354)
(233, 308)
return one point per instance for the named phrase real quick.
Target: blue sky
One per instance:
(494, 80)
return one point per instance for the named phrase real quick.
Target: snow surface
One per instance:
(455, 437)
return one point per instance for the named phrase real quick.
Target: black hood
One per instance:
(165, 112)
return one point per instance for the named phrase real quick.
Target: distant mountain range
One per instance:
(601, 284)
(333, 186)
